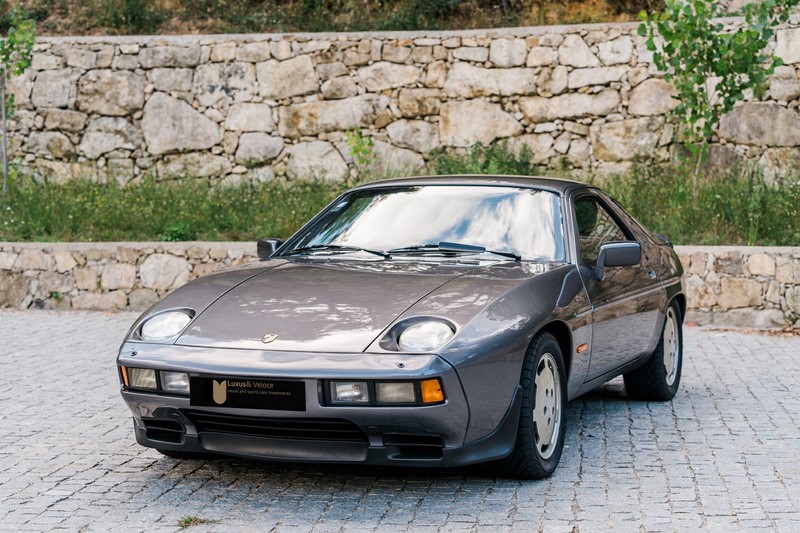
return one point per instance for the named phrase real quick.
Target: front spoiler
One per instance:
(496, 445)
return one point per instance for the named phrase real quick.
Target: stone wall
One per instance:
(735, 286)
(252, 107)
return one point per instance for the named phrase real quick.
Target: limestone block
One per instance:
(390, 160)
(226, 52)
(53, 88)
(739, 292)
(110, 301)
(396, 54)
(464, 123)
(574, 52)
(784, 85)
(327, 71)
(141, 299)
(580, 153)
(552, 81)
(169, 125)
(13, 289)
(384, 75)
(316, 159)
(508, 52)
(419, 102)
(314, 118)
(216, 82)
(573, 105)
(436, 74)
(761, 124)
(626, 139)
(172, 79)
(110, 92)
(469, 81)
(787, 270)
(338, 88)
(87, 278)
(194, 165)
(281, 50)
(162, 272)
(414, 134)
(106, 134)
(118, 276)
(80, 58)
(49, 143)
(258, 147)
(170, 56)
(250, 117)
(46, 62)
(616, 51)
(21, 87)
(282, 79)
(540, 146)
(471, 53)
(29, 259)
(788, 45)
(65, 120)
(729, 263)
(583, 77)
(698, 264)
(254, 52)
(7, 260)
(699, 294)
(761, 265)
(751, 318)
(541, 56)
(652, 97)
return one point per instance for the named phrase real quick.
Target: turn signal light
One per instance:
(431, 391)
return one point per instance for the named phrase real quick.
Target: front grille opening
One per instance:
(163, 430)
(414, 447)
(318, 429)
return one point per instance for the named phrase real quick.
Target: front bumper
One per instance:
(431, 435)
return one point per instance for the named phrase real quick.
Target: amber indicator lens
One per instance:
(431, 391)
(124, 375)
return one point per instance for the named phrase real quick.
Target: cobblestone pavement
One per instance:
(724, 455)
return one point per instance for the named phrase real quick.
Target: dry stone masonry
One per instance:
(733, 286)
(253, 107)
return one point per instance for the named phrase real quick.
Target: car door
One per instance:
(625, 302)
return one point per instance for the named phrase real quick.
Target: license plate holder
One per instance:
(248, 393)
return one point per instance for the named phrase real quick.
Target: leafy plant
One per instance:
(710, 65)
(188, 521)
(133, 16)
(15, 57)
(362, 150)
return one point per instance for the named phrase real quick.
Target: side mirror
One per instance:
(617, 254)
(266, 247)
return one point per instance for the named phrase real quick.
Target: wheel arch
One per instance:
(563, 334)
(680, 299)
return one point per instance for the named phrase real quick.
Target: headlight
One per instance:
(165, 325)
(175, 382)
(349, 392)
(143, 378)
(424, 336)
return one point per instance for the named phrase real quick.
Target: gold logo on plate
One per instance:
(268, 338)
(220, 391)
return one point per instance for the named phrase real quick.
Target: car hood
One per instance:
(317, 306)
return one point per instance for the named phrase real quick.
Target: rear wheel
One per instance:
(543, 416)
(658, 380)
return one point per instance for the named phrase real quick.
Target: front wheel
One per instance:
(543, 416)
(658, 380)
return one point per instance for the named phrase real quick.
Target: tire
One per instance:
(658, 379)
(543, 415)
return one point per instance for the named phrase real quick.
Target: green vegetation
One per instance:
(71, 17)
(691, 47)
(84, 211)
(733, 208)
(189, 521)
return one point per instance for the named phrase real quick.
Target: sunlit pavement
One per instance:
(724, 455)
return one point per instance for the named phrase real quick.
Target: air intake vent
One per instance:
(322, 429)
(163, 430)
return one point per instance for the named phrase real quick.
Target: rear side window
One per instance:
(595, 228)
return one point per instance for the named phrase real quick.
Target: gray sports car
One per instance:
(434, 321)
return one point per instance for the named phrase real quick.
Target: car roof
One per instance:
(557, 185)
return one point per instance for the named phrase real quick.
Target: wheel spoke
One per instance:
(547, 406)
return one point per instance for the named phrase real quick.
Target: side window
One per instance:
(595, 228)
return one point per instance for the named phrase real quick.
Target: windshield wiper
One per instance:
(335, 248)
(455, 247)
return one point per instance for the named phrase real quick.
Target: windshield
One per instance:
(506, 219)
